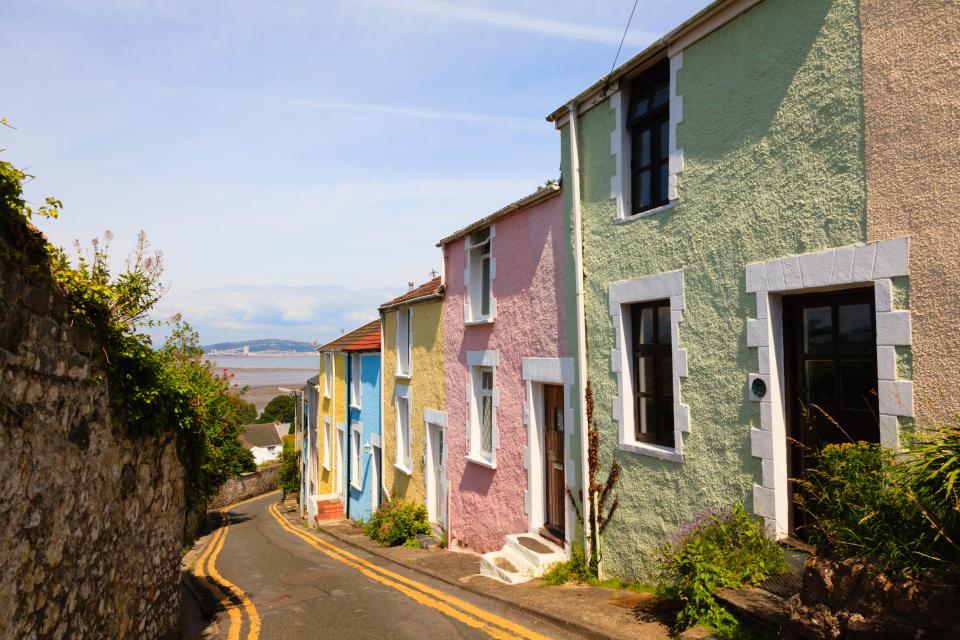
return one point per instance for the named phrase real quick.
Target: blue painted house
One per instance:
(361, 473)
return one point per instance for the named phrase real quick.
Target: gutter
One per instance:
(581, 325)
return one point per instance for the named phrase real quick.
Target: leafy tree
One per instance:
(289, 473)
(247, 411)
(280, 409)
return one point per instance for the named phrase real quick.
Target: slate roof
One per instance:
(366, 338)
(544, 193)
(426, 291)
(260, 435)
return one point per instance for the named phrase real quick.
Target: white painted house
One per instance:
(263, 441)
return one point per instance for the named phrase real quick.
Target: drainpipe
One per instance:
(581, 325)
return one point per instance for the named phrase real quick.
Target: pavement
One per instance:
(271, 577)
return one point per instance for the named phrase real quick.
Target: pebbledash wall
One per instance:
(529, 329)
(767, 164)
(92, 520)
(365, 418)
(911, 95)
(424, 388)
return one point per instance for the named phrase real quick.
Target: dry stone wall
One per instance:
(246, 485)
(92, 521)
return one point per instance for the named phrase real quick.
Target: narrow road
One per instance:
(282, 581)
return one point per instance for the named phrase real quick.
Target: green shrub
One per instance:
(901, 514)
(727, 548)
(397, 522)
(288, 476)
(573, 570)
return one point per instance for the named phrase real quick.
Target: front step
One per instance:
(522, 558)
(329, 510)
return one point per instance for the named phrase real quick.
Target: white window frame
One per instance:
(620, 146)
(622, 296)
(327, 441)
(356, 455)
(328, 375)
(403, 460)
(404, 342)
(356, 388)
(473, 279)
(477, 363)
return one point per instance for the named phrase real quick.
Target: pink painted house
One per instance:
(509, 380)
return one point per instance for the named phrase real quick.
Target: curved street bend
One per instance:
(279, 580)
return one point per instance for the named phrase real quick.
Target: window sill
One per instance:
(480, 321)
(647, 213)
(406, 470)
(403, 376)
(354, 485)
(483, 462)
(652, 450)
(356, 406)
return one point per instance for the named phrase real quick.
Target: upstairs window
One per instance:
(355, 380)
(648, 122)
(404, 340)
(327, 374)
(481, 275)
(652, 373)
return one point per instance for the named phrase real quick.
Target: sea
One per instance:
(256, 371)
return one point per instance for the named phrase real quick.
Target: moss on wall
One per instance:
(772, 139)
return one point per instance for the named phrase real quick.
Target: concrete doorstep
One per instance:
(593, 612)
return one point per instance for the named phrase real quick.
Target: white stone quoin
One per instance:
(873, 263)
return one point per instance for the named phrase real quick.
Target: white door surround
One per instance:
(536, 373)
(435, 424)
(871, 264)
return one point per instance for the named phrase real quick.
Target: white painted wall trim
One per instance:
(476, 359)
(433, 416)
(536, 373)
(489, 358)
(622, 294)
(873, 263)
(469, 317)
(548, 370)
(620, 146)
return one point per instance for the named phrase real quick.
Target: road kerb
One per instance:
(561, 622)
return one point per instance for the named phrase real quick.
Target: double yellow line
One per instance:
(231, 597)
(494, 626)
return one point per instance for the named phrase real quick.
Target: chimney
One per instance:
(410, 286)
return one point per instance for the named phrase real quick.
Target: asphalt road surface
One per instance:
(279, 580)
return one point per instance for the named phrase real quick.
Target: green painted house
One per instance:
(718, 211)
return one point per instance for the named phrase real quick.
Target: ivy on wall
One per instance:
(152, 392)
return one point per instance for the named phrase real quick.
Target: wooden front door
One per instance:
(553, 432)
(831, 377)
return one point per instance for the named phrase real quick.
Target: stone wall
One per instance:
(850, 599)
(92, 521)
(247, 485)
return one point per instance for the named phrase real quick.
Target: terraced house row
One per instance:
(755, 215)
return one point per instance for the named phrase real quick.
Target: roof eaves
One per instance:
(436, 295)
(541, 195)
(684, 34)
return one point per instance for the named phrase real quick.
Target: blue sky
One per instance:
(296, 162)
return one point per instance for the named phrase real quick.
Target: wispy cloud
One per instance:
(515, 21)
(304, 313)
(527, 124)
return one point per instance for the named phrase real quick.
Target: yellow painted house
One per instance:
(330, 419)
(414, 408)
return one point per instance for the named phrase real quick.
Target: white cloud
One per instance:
(515, 21)
(299, 313)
